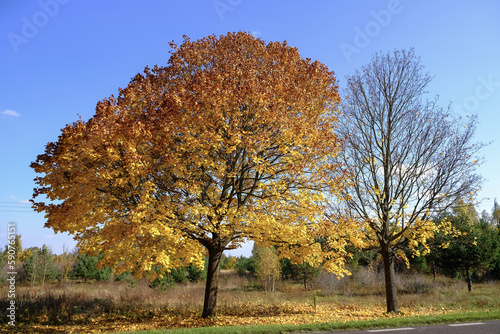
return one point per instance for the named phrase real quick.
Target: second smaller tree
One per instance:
(268, 267)
(408, 157)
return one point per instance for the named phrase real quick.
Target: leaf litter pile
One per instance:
(239, 314)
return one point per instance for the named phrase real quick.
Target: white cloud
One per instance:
(12, 113)
(18, 200)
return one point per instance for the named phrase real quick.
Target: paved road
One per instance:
(480, 327)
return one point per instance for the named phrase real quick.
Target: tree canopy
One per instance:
(229, 141)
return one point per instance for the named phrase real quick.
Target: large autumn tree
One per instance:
(409, 158)
(229, 141)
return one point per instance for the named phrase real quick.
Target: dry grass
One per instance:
(366, 287)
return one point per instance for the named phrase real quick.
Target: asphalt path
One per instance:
(479, 327)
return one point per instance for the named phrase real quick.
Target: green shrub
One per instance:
(244, 265)
(85, 268)
(169, 279)
(195, 274)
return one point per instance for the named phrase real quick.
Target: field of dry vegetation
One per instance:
(115, 306)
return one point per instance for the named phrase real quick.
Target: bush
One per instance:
(169, 279)
(126, 277)
(420, 264)
(85, 268)
(227, 263)
(245, 265)
(195, 274)
(303, 272)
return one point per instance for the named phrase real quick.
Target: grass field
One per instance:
(117, 306)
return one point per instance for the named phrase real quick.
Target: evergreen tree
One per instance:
(85, 268)
(245, 265)
(473, 249)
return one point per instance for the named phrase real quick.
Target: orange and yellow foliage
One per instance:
(229, 141)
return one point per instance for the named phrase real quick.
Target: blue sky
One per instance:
(60, 57)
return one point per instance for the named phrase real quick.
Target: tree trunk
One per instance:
(390, 280)
(469, 280)
(34, 259)
(44, 273)
(210, 302)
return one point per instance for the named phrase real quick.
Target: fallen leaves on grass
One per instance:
(240, 314)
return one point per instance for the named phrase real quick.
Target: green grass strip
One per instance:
(337, 326)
